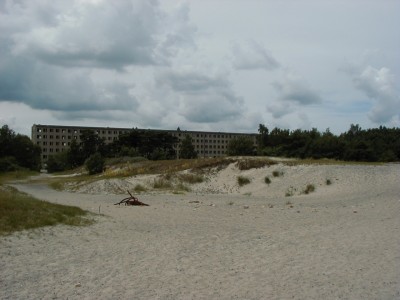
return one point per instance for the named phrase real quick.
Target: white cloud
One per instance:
(379, 85)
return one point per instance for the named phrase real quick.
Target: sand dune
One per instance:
(220, 241)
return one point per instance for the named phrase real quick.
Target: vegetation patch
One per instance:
(328, 182)
(247, 164)
(290, 191)
(267, 180)
(277, 173)
(19, 211)
(139, 188)
(309, 189)
(162, 183)
(191, 178)
(242, 180)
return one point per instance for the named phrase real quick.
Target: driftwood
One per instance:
(131, 201)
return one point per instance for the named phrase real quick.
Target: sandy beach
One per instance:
(220, 241)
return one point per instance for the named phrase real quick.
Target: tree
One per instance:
(241, 145)
(91, 143)
(95, 163)
(187, 148)
(19, 147)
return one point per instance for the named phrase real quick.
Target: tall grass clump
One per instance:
(267, 180)
(161, 183)
(247, 164)
(309, 189)
(242, 180)
(19, 211)
(277, 173)
(191, 178)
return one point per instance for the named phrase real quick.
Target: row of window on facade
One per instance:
(76, 131)
(57, 137)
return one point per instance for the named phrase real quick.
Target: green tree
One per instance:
(20, 147)
(187, 148)
(95, 163)
(241, 145)
(90, 143)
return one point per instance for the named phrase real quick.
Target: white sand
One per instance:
(340, 242)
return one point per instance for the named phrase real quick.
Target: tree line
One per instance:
(357, 144)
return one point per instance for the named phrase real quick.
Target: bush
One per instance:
(309, 189)
(8, 164)
(267, 180)
(95, 163)
(243, 180)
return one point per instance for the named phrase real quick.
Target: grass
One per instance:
(16, 175)
(19, 211)
(328, 182)
(247, 164)
(139, 188)
(191, 178)
(242, 180)
(290, 191)
(277, 173)
(267, 180)
(162, 183)
(309, 189)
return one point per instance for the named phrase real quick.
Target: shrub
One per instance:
(8, 164)
(328, 182)
(243, 180)
(95, 163)
(277, 173)
(267, 180)
(248, 164)
(309, 189)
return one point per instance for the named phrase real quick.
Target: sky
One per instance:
(212, 65)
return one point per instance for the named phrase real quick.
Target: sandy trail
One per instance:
(341, 242)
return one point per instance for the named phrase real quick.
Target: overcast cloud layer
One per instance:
(200, 65)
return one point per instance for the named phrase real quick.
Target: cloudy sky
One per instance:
(220, 65)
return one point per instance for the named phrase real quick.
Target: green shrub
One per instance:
(309, 189)
(8, 163)
(95, 163)
(267, 180)
(243, 180)
(328, 182)
(277, 173)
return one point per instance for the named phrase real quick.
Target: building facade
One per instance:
(54, 139)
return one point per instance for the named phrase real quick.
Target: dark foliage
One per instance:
(17, 150)
(241, 145)
(378, 144)
(187, 149)
(95, 163)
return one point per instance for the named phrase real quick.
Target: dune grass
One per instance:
(19, 211)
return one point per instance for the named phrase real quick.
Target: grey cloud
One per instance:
(279, 110)
(293, 89)
(191, 81)
(204, 98)
(107, 34)
(252, 55)
(44, 87)
(378, 84)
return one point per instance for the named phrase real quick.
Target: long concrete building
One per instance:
(53, 139)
